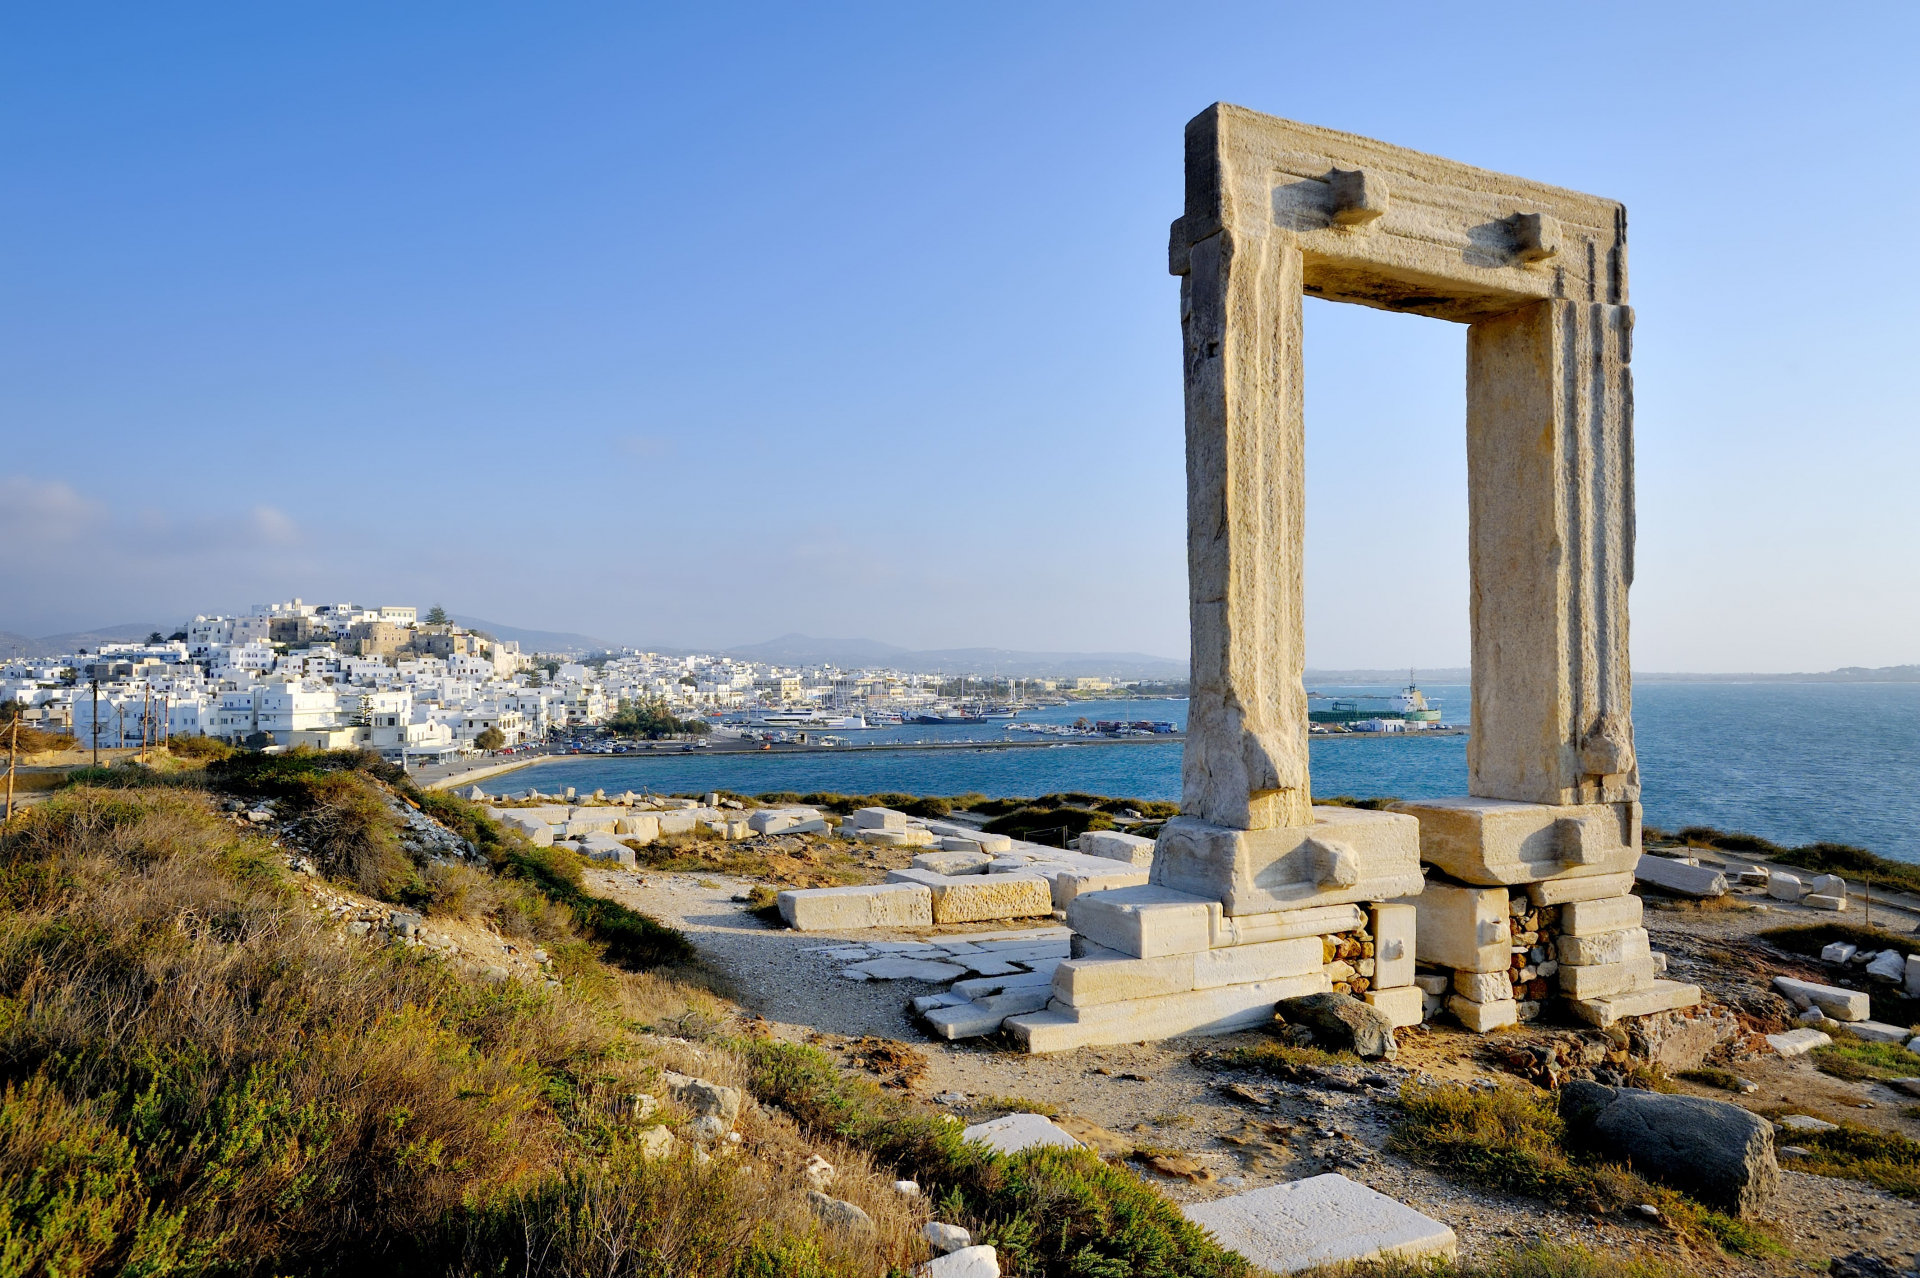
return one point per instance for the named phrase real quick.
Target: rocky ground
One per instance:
(1216, 1130)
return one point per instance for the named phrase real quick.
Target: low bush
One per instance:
(211, 749)
(1051, 826)
(1051, 1212)
(1858, 1060)
(1811, 938)
(1853, 1152)
(1544, 1260)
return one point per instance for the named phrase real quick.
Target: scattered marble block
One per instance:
(1680, 878)
(852, 908)
(1880, 1032)
(1782, 886)
(975, 898)
(1807, 1123)
(1115, 846)
(1841, 1005)
(994, 843)
(1346, 855)
(1888, 965)
(1481, 1017)
(1016, 1132)
(1660, 996)
(1404, 1005)
(1494, 842)
(1838, 952)
(1822, 901)
(1464, 928)
(879, 819)
(1322, 1220)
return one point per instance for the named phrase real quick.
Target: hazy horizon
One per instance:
(686, 326)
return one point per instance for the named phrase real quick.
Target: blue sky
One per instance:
(694, 325)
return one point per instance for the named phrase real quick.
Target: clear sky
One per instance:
(697, 324)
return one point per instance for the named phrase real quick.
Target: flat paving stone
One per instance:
(1016, 1132)
(897, 968)
(852, 954)
(1322, 1220)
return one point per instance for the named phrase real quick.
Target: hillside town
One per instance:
(419, 689)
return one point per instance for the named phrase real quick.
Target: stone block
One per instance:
(1661, 996)
(1797, 1042)
(993, 843)
(1601, 980)
(1589, 888)
(1433, 982)
(1481, 1017)
(1483, 987)
(1840, 1004)
(604, 847)
(642, 827)
(1913, 976)
(1821, 901)
(898, 967)
(680, 821)
(1680, 878)
(1283, 925)
(851, 908)
(1321, 1220)
(1403, 1005)
(1838, 952)
(1880, 1032)
(1145, 922)
(1269, 961)
(1828, 885)
(951, 863)
(1608, 914)
(1016, 1132)
(1216, 1011)
(879, 819)
(1395, 938)
(1492, 842)
(1345, 855)
(975, 898)
(1462, 927)
(1782, 886)
(1084, 982)
(1072, 883)
(1115, 846)
(1605, 947)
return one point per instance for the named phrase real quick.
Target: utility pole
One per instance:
(13, 760)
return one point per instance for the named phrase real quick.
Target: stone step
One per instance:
(1145, 922)
(1218, 1011)
(983, 1015)
(1661, 996)
(1087, 982)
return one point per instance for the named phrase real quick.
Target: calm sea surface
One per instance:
(1793, 762)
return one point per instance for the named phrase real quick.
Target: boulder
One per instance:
(1342, 1022)
(703, 1098)
(818, 1172)
(968, 1262)
(1713, 1150)
(945, 1238)
(839, 1213)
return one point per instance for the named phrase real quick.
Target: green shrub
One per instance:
(1052, 826)
(1852, 1152)
(1858, 1060)
(353, 835)
(626, 936)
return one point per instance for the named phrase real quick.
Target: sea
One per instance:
(1793, 762)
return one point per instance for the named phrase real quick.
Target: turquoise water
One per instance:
(1793, 762)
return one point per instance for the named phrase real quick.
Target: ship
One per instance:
(1410, 705)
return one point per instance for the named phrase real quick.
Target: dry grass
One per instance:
(1542, 1261)
(199, 1075)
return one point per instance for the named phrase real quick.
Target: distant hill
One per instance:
(803, 650)
(1846, 674)
(536, 640)
(12, 644)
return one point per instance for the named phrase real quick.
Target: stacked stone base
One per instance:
(1505, 953)
(1152, 963)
